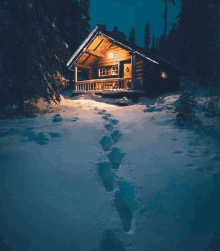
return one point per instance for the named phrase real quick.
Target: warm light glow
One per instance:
(110, 55)
(163, 74)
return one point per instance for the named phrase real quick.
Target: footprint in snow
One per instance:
(31, 135)
(115, 156)
(178, 152)
(106, 118)
(54, 135)
(108, 115)
(190, 164)
(200, 169)
(210, 168)
(42, 138)
(174, 139)
(75, 119)
(102, 112)
(106, 143)
(152, 119)
(57, 118)
(216, 158)
(109, 127)
(11, 131)
(116, 136)
(125, 204)
(105, 172)
(114, 121)
(110, 242)
(151, 109)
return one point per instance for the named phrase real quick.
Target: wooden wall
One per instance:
(139, 69)
(90, 75)
(119, 54)
(154, 84)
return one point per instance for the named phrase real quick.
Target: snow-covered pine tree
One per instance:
(147, 38)
(37, 51)
(132, 37)
(184, 109)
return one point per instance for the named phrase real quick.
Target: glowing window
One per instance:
(108, 71)
(110, 55)
(163, 74)
(102, 72)
(115, 70)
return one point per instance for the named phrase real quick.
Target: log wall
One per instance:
(119, 54)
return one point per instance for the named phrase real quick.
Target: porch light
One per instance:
(110, 55)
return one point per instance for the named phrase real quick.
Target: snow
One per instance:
(103, 177)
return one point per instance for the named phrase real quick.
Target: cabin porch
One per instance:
(107, 84)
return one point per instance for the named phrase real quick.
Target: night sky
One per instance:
(128, 13)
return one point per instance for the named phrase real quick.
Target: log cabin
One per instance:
(114, 63)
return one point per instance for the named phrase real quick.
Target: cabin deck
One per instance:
(103, 84)
(109, 84)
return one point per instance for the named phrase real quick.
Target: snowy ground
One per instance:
(103, 177)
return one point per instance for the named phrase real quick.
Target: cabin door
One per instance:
(127, 74)
(127, 70)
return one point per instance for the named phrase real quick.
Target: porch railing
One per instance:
(106, 84)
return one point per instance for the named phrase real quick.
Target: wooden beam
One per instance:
(86, 59)
(133, 70)
(94, 53)
(107, 47)
(83, 66)
(102, 52)
(75, 76)
(99, 45)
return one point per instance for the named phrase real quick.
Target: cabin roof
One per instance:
(99, 39)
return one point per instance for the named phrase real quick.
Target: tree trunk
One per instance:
(21, 97)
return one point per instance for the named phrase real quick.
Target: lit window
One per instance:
(115, 70)
(110, 55)
(163, 74)
(108, 71)
(102, 72)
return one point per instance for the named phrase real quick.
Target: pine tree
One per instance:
(165, 15)
(172, 45)
(147, 39)
(132, 37)
(157, 45)
(196, 24)
(36, 51)
(162, 51)
(85, 18)
(184, 110)
(8, 76)
(153, 45)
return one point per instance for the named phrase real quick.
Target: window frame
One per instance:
(108, 71)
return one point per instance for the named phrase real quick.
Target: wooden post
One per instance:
(133, 70)
(75, 77)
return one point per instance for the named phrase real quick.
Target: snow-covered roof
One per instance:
(122, 43)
